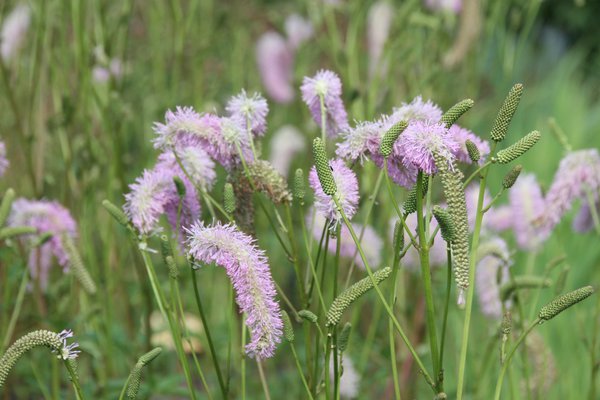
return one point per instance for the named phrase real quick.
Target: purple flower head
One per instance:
(460, 136)
(328, 86)
(420, 140)
(181, 124)
(452, 6)
(46, 217)
(491, 274)
(347, 191)
(583, 221)
(68, 351)
(527, 207)
(499, 219)
(275, 62)
(15, 27)
(250, 112)
(577, 173)
(247, 267)
(298, 30)
(285, 144)
(197, 164)
(4, 163)
(401, 173)
(360, 142)
(417, 110)
(234, 140)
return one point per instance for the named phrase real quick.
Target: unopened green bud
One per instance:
(506, 113)
(506, 325)
(288, 330)
(563, 302)
(180, 186)
(76, 265)
(229, 198)
(299, 185)
(344, 337)
(472, 151)
(6, 205)
(410, 204)
(269, 181)
(390, 137)
(116, 213)
(511, 177)
(348, 296)
(323, 168)
(456, 111)
(562, 279)
(167, 253)
(135, 377)
(445, 222)
(308, 316)
(519, 148)
(398, 237)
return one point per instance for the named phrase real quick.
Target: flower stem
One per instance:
(74, 380)
(263, 380)
(447, 304)
(299, 367)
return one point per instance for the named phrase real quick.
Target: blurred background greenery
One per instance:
(79, 140)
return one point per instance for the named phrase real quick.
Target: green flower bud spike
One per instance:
(76, 265)
(6, 205)
(348, 296)
(398, 238)
(323, 168)
(456, 111)
(517, 149)
(410, 204)
(344, 337)
(472, 151)
(116, 213)
(288, 330)
(308, 316)
(444, 220)
(135, 377)
(299, 185)
(563, 302)
(268, 181)
(390, 137)
(167, 253)
(229, 198)
(511, 177)
(506, 113)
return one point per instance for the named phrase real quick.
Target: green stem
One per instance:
(393, 294)
(593, 210)
(477, 171)
(447, 304)
(16, 311)
(296, 255)
(243, 361)
(263, 380)
(299, 367)
(323, 119)
(396, 207)
(509, 357)
(74, 380)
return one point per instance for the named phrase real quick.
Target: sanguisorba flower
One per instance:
(452, 6)
(417, 110)
(298, 30)
(460, 136)
(347, 191)
(360, 142)
(198, 165)
(4, 163)
(325, 85)
(287, 141)
(14, 29)
(583, 221)
(379, 22)
(490, 274)
(527, 206)
(578, 172)
(47, 217)
(250, 111)
(275, 61)
(247, 267)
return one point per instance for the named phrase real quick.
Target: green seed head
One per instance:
(135, 377)
(563, 302)
(506, 113)
(288, 330)
(398, 237)
(299, 185)
(6, 204)
(323, 168)
(511, 177)
(116, 213)
(410, 204)
(344, 337)
(308, 316)
(348, 296)
(390, 137)
(456, 111)
(268, 181)
(506, 325)
(229, 198)
(76, 265)
(445, 222)
(472, 151)
(519, 148)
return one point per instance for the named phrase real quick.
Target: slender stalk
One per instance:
(393, 293)
(426, 275)
(447, 305)
(299, 367)
(296, 255)
(509, 357)
(74, 380)
(323, 119)
(243, 362)
(593, 210)
(477, 171)
(396, 207)
(263, 380)
(16, 311)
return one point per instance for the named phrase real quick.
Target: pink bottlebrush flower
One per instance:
(451, 6)
(327, 85)
(234, 140)
(420, 140)
(285, 144)
(583, 221)
(199, 167)
(460, 136)
(578, 172)
(46, 217)
(490, 274)
(499, 219)
(417, 110)
(275, 62)
(360, 142)
(4, 163)
(401, 172)
(15, 27)
(249, 111)
(527, 207)
(247, 267)
(298, 30)
(347, 191)
(379, 22)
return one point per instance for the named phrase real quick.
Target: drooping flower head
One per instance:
(420, 140)
(326, 85)
(249, 111)
(347, 191)
(14, 29)
(247, 267)
(527, 206)
(583, 221)
(275, 62)
(68, 351)
(47, 217)
(460, 136)
(360, 142)
(4, 163)
(491, 274)
(285, 144)
(578, 172)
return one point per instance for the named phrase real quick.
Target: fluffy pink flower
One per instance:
(491, 273)
(583, 221)
(379, 22)
(46, 217)
(199, 167)
(452, 6)
(286, 143)
(347, 192)
(327, 85)
(360, 142)
(460, 136)
(249, 111)
(527, 207)
(275, 62)
(15, 27)
(499, 219)
(417, 110)
(247, 267)
(298, 30)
